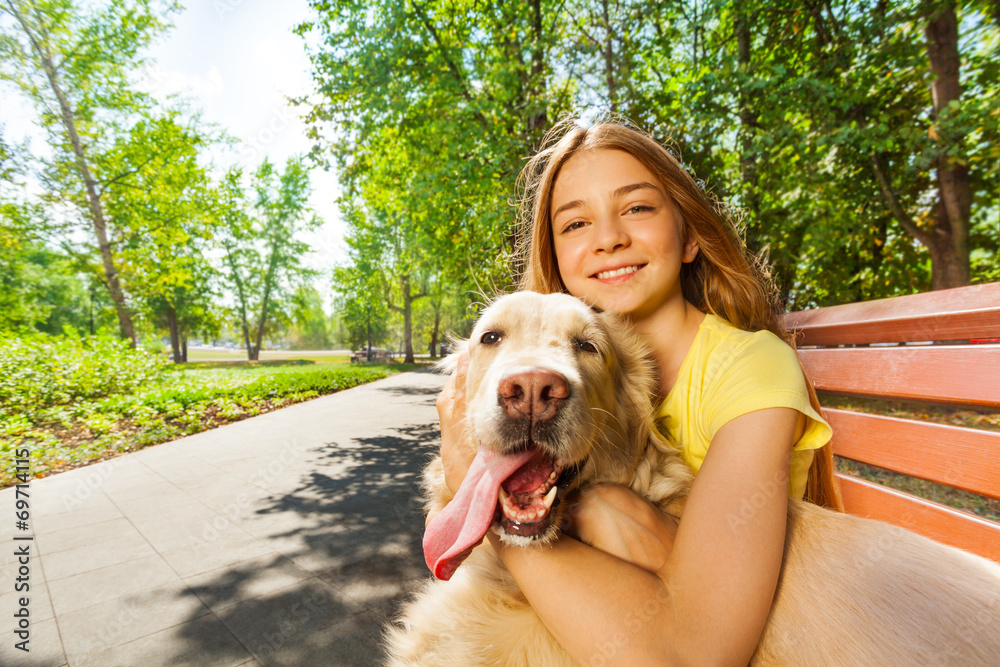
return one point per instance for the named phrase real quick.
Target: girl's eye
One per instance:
(577, 224)
(586, 346)
(490, 338)
(640, 208)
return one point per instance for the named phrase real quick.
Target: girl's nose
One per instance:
(611, 237)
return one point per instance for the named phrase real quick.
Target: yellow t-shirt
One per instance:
(729, 372)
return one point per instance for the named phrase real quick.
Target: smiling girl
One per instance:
(614, 219)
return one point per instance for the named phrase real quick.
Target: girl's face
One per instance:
(616, 234)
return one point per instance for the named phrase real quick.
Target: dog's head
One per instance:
(556, 395)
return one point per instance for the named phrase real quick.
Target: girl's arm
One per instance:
(707, 598)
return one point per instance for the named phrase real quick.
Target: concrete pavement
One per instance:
(285, 539)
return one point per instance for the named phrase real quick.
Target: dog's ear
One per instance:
(635, 375)
(633, 356)
(449, 363)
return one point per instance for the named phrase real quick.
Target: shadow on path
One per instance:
(412, 391)
(354, 524)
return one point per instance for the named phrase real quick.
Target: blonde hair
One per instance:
(724, 279)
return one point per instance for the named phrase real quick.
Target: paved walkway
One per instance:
(286, 539)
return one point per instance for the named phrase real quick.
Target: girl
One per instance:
(615, 220)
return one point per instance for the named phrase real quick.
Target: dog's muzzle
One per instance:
(536, 394)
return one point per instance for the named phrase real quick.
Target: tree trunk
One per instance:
(251, 351)
(258, 343)
(272, 269)
(748, 117)
(437, 327)
(609, 59)
(368, 322)
(948, 268)
(175, 345)
(184, 348)
(538, 121)
(950, 256)
(241, 295)
(408, 300)
(83, 168)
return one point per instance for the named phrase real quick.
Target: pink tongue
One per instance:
(460, 526)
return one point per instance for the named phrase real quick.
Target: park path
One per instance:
(285, 539)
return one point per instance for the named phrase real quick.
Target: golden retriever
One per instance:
(557, 396)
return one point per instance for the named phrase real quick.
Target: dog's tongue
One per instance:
(452, 534)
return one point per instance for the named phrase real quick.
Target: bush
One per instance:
(41, 371)
(129, 412)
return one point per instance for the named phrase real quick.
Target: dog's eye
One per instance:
(586, 346)
(490, 338)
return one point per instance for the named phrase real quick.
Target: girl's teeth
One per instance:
(604, 275)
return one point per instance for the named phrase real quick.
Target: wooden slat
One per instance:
(963, 458)
(962, 313)
(932, 520)
(967, 374)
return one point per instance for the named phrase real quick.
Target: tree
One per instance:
(310, 328)
(74, 63)
(164, 220)
(361, 305)
(816, 119)
(262, 257)
(474, 100)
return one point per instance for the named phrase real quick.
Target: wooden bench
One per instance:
(378, 354)
(939, 347)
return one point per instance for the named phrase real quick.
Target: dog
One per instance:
(559, 396)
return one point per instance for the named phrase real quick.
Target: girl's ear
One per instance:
(691, 249)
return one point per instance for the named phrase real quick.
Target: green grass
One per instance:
(183, 401)
(987, 508)
(986, 419)
(267, 356)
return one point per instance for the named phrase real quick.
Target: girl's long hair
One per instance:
(724, 279)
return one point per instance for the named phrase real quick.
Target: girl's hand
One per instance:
(614, 519)
(456, 451)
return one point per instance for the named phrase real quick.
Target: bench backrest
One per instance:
(884, 348)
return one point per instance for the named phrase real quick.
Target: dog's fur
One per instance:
(852, 591)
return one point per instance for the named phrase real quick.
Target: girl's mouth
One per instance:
(618, 275)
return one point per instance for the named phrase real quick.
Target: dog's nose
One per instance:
(536, 394)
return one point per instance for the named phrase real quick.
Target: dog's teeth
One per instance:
(550, 497)
(553, 476)
(502, 495)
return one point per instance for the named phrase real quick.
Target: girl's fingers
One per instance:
(461, 370)
(456, 454)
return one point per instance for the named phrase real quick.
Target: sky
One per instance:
(236, 61)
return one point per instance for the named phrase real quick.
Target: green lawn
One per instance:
(223, 354)
(180, 402)
(986, 419)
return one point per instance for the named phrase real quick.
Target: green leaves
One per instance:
(75, 62)
(143, 408)
(41, 371)
(262, 256)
